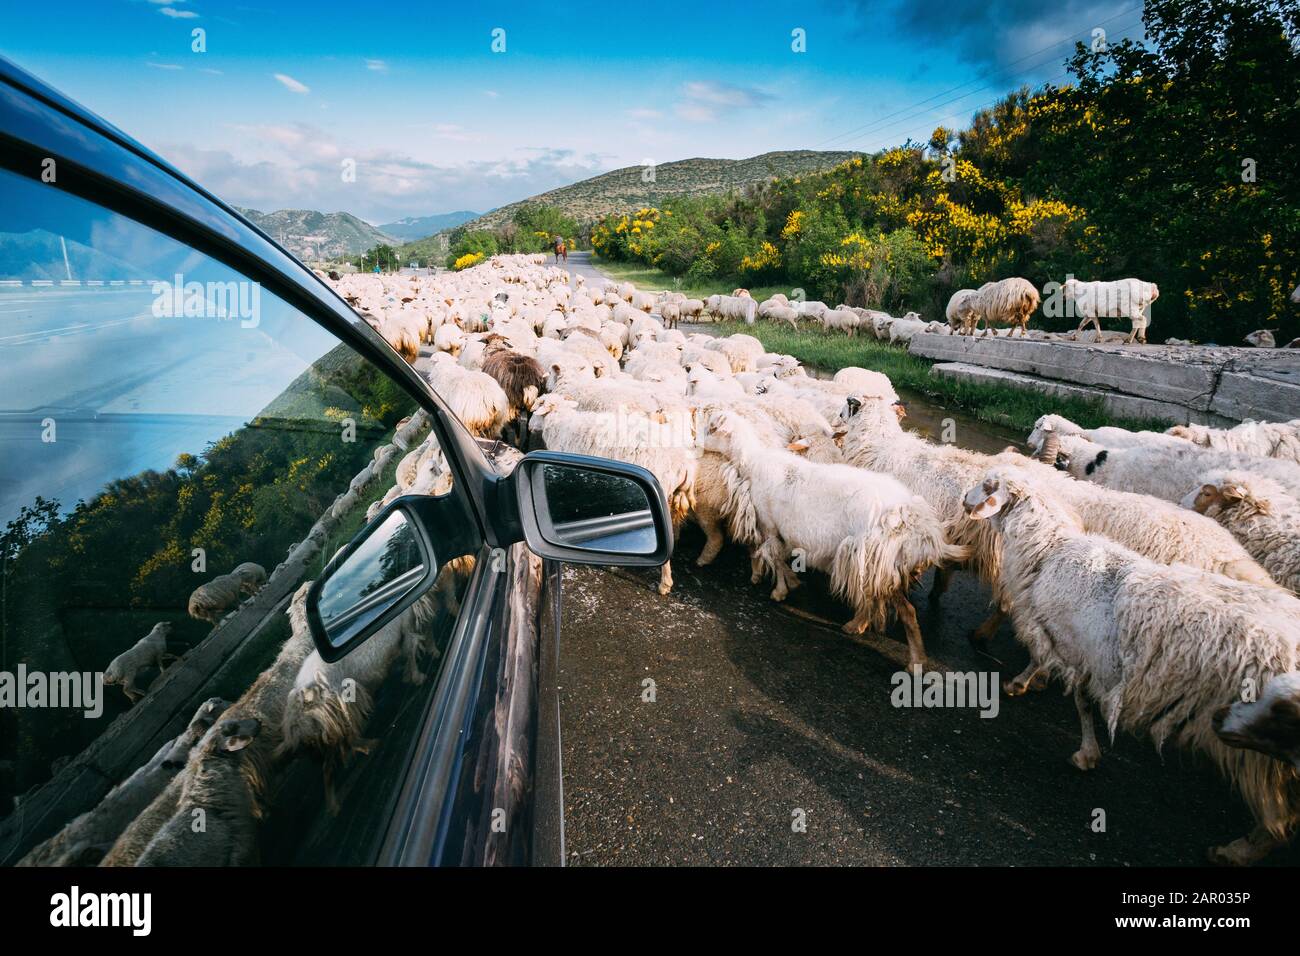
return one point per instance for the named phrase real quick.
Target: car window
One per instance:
(181, 452)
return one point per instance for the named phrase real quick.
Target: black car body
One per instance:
(467, 769)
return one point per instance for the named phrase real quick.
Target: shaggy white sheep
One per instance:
(872, 536)
(1160, 648)
(1107, 435)
(1122, 299)
(1164, 472)
(1259, 513)
(961, 312)
(666, 449)
(1005, 302)
(473, 396)
(1265, 439)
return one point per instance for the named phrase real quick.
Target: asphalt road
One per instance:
(764, 716)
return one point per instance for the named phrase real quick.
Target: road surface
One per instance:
(766, 716)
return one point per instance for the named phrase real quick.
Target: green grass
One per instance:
(651, 279)
(998, 404)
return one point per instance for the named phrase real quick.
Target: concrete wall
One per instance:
(1205, 384)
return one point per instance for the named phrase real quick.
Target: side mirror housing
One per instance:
(384, 569)
(585, 510)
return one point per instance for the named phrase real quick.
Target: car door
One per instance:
(184, 450)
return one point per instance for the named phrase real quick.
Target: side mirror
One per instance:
(384, 570)
(592, 510)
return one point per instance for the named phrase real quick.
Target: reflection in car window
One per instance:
(180, 454)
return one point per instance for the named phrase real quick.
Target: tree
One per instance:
(384, 256)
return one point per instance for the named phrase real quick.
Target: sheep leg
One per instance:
(981, 636)
(915, 642)
(1029, 678)
(666, 577)
(1246, 850)
(715, 540)
(1086, 757)
(942, 578)
(132, 692)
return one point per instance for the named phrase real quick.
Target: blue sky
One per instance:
(287, 91)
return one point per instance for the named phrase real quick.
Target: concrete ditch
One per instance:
(1200, 384)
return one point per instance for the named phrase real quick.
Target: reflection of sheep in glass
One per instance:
(149, 651)
(84, 841)
(211, 601)
(219, 785)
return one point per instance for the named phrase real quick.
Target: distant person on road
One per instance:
(560, 251)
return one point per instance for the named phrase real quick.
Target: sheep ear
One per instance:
(1234, 492)
(839, 434)
(799, 446)
(990, 485)
(854, 403)
(990, 506)
(235, 743)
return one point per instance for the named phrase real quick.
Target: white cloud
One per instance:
(165, 66)
(644, 114)
(208, 69)
(177, 14)
(705, 101)
(299, 166)
(455, 133)
(292, 85)
(379, 66)
(491, 94)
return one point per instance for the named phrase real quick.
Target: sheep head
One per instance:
(1269, 725)
(989, 498)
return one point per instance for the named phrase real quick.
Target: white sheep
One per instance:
(942, 474)
(869, 533)
(1107, 435)
(1265, 439)
(1005, 302)
(1259, 513)
(1160, 648)
(1270, 725)
(1122, 299)
(1164, 472)
(866, 382)
(473, 396)
(666, 449)
(961, 312)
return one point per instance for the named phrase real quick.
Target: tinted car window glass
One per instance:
(181, 452)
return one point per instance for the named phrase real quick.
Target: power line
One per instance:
(866, 127)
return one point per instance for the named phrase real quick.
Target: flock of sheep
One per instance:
(1154, 574)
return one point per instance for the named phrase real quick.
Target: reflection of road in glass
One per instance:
(127, 391)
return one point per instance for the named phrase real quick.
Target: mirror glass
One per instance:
(386, 567)
(592, 511)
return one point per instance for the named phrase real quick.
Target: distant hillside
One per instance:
(417, 227)
(624, 189)
(318, 236)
